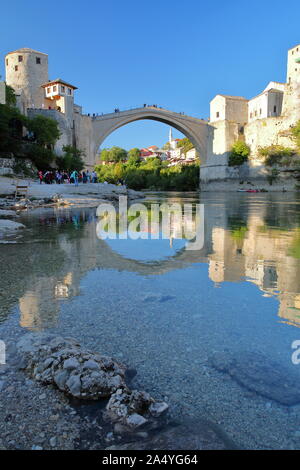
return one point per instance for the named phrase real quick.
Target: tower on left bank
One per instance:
(26, 70)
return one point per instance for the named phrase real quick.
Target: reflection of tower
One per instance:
(36, 306)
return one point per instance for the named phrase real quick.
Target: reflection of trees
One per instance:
(295, 245)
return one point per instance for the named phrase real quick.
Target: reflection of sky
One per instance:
(146, 250)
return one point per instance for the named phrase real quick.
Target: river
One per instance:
(180, 317)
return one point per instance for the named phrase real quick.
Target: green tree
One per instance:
(115, 154)
(11, 126)
(44, 133)
(276, 155)
(72, 159)
(45, 130)
(185, 144)
(41, 156)
(167, 146)
(10, 97)
(134, 156)
(296, 134)
(239, 153)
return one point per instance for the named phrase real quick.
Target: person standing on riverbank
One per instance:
(94, 177)
(74, 177)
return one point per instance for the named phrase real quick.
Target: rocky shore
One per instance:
(53, 195)
(55, 394)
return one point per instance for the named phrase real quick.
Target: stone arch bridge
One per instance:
(197, 130)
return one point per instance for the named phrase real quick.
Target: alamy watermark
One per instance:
(296, 354)
(2, 353)
(154, 221)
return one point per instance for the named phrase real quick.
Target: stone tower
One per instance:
(291, 100)
(26, 70)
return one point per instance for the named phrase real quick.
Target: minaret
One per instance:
(170, 136)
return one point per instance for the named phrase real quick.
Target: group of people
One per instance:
(70, 177)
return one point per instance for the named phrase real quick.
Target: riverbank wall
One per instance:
(221, 177)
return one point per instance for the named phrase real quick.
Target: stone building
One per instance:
(261, 121)
(26, 72)
(268, 103)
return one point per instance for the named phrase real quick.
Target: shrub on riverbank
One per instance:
(239, 153)
(277, 155)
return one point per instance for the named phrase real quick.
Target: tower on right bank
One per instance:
(291, 98)
(261, 121)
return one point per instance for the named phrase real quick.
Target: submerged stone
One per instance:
(182, 437)
(259, 374)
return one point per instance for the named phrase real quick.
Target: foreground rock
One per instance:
(183, 437)
(80, 373)
(133, 408)
(257, 373)
(62, 362)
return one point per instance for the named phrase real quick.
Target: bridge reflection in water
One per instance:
(256, 240)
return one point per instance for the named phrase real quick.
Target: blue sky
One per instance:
(176, 54)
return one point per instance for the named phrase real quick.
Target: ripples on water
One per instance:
(171, 312)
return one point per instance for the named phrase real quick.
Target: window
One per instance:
(6, 61)
(38, 60)
(62, 89)
(217, 114)
(55, 88)
(259, 110)
(48, 90)
(16, 68)
(20, 58)
(275, 109)
(255, 114)
(251, 114)
(70, 91)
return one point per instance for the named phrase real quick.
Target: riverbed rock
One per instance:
(133, 408)
(74, 370)
(7, 213)
(259, 374)
(7, 225)
(22, 204)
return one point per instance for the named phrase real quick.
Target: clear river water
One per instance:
(210, 330)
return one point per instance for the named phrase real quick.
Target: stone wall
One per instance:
(67, 135)
(6, 166)
(225, 133)
(269, 131)
(85, 139)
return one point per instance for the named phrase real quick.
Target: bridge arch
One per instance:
(195, 129)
